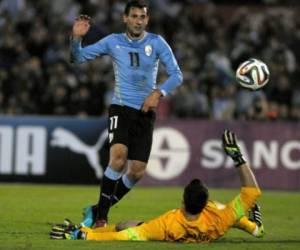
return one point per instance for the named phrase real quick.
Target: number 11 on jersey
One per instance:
(134, 59)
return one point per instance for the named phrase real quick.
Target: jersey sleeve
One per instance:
(245, 200)
(168, 59)
(239, 206)
(80, 54)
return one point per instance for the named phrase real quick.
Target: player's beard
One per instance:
(135, 34)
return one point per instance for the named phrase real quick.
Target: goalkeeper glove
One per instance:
(231, 148)
(67, 230)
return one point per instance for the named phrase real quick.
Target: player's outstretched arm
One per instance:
(232, 149)
(81, 54)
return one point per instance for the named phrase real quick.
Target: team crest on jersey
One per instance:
(148, 50)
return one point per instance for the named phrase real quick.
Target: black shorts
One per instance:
(132, 128)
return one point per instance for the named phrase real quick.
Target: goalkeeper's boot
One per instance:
(256, 216)
(89, 214)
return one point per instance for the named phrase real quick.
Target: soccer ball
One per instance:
(253, 74)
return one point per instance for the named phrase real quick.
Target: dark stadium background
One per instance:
(40, 89)
(42, 94)
(209, 38)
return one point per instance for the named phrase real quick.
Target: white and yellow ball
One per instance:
(253, 74)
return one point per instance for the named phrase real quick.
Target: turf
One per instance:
(27, 211)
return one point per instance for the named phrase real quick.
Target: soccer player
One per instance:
(198, 220)
(136, 54)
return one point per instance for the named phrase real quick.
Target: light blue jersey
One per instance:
(135, 64)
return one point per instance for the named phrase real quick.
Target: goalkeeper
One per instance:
(198, 220)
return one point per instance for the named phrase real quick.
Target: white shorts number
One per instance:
(113, 122)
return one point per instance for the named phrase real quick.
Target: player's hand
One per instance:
(81, 26)
(151, 102)
(60, 233)
(231, 148)
(66, 231)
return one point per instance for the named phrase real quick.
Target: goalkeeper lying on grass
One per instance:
(198, 220)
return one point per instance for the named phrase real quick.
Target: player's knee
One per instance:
(136, 174)
(118, 162)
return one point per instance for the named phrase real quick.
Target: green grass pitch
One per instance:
(26, 212)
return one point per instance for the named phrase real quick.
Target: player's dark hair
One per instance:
(135, 3)
(195, 196)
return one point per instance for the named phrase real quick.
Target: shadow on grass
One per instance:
(238, 241)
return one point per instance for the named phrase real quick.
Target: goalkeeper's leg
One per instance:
(129, 234)
(118, 227)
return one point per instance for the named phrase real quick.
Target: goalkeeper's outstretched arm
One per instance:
(250, 190)
(232, 149)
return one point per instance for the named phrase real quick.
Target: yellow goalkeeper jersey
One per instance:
(213, 222)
